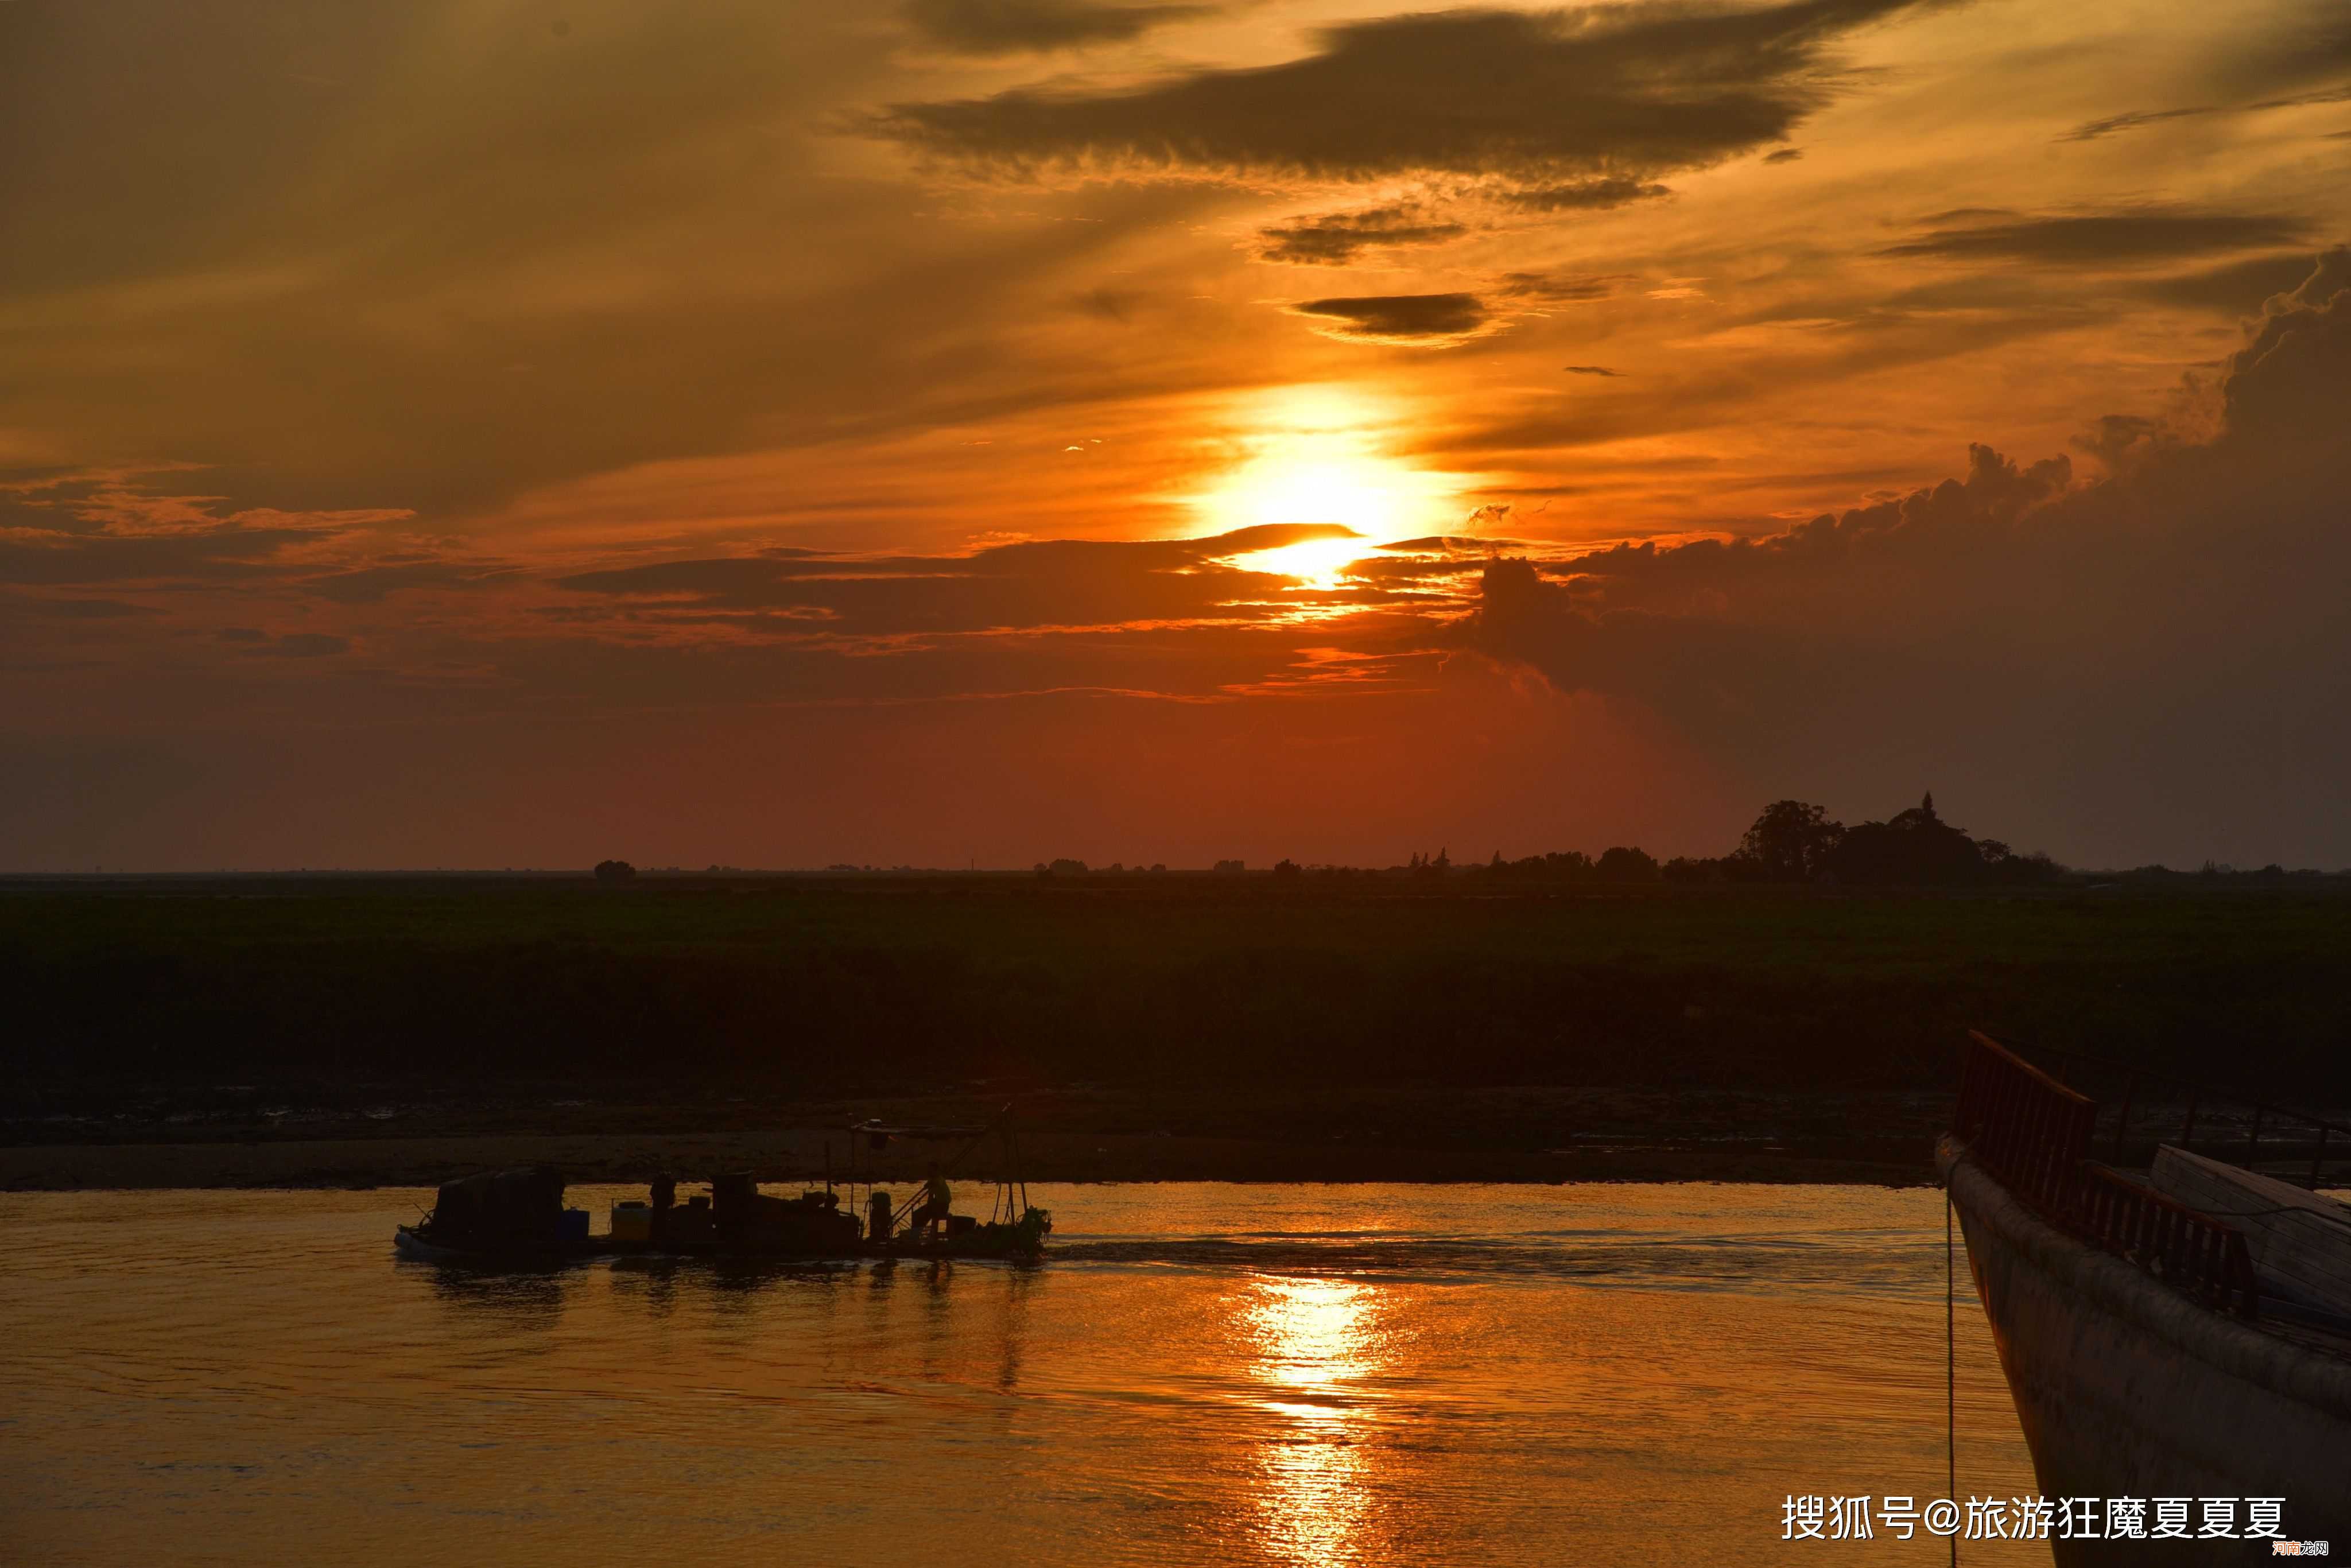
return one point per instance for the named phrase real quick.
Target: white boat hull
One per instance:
(2126, 1387)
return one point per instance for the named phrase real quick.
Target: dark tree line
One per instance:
(1795, 841)
(1791, 841)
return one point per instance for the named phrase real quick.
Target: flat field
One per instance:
(1383, 1009)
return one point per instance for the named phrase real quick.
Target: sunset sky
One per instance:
(495, 432)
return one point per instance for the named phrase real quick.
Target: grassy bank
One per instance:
(1181, 1007)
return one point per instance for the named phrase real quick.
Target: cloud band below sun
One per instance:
(1413, 321)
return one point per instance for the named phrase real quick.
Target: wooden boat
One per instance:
(414, 1244)
(2152, 1353)
(1020, 1241)
(517, 1219)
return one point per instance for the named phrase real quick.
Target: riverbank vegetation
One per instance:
(1162, 991)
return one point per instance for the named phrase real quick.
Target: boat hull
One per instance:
(413, 1245)
(2126, 1387)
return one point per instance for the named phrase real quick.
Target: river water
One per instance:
(1198, 1373)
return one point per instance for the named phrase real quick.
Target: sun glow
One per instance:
(1314, 456)
(1312, 478)
(1315, 563)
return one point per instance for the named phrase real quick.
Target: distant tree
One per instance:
(1230, 868)
(1912, 849)
(1559, 865)
(2035, 867)
(613, 874)
(1286, 868)
(1626, 865)
(1068, 867)
(1684, 869)
(1790, 841)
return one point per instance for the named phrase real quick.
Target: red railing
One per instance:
(2022, 1125)
(2031, 1134)
(2193, 1251)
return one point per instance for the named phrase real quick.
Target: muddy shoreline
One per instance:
(788, 1157)
(381, 1136)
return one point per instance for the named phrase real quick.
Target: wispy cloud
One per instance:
(1572, 108)
(1337, 239)
(2122, 236)
(1420, 321)
(1014, 27)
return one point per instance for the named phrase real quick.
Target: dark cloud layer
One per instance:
(78, 608)
(1565, 287)
(1587, 195)
(2236, 287)
(374, 584)
(2165, 644)
(1415, 318)
(2292, 382)
(2094, 239)
(1014, 26)
(2091, 130)
(288, 646)
(1027, 585)
(1598, 103)
(210, 554)
(1337, 239)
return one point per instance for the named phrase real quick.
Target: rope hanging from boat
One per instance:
(1950, 1371)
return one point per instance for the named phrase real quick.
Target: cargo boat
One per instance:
(2184, 1335)
(1021, 1240)
(518, 1218)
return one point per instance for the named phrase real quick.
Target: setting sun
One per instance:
(1318, 455)
(1314, 562)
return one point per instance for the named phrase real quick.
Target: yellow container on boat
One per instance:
(632, 1221)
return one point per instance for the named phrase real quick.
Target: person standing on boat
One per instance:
(664, 1195)
(937, 1200)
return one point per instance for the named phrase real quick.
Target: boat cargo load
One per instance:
(518, 1218)
(521, 1207)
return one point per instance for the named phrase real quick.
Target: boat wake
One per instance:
(1896, 1263)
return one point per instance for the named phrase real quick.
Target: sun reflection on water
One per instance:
(1317, 1342)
